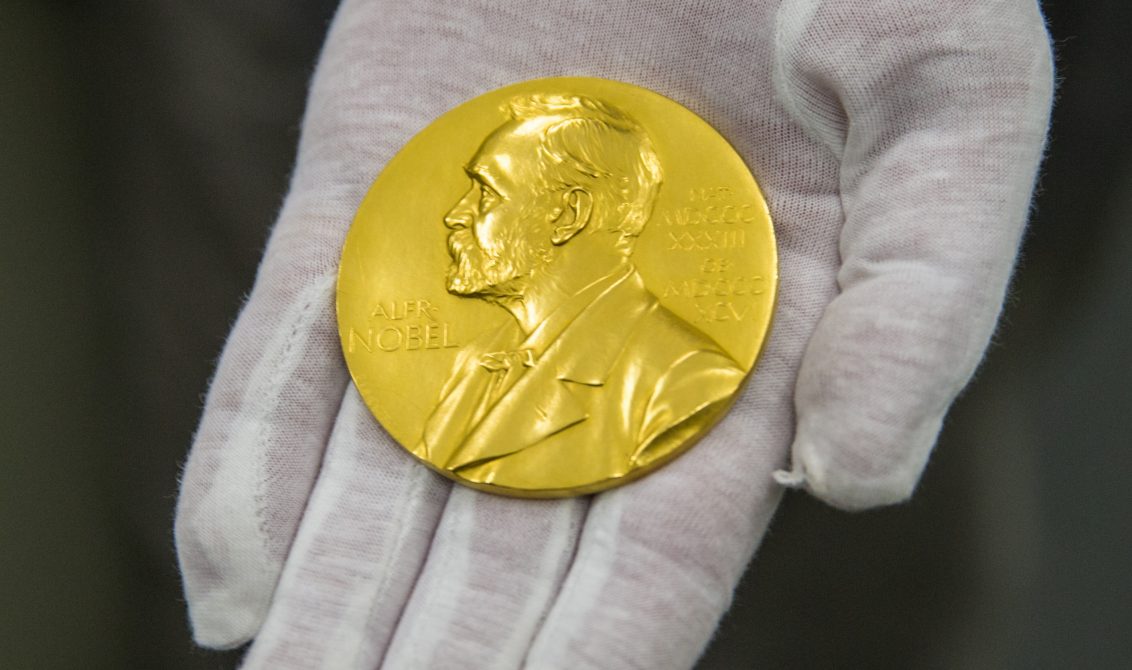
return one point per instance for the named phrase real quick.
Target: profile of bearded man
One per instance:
(593, 378)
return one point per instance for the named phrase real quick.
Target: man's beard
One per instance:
(476, 272)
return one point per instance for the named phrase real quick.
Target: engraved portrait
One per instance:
(592, 377)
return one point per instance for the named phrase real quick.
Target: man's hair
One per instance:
(591, 144)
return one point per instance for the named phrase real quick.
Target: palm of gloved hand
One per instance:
(896, 146)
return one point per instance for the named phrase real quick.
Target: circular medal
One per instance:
(557, 287)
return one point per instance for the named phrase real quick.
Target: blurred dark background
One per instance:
(144, 151)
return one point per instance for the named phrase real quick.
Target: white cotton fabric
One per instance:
(897, 143)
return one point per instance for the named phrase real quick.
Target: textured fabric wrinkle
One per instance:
(454, 533)
(590, 569)
(281, 368)
(379, 598)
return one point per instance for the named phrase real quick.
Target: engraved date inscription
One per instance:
(717, 293)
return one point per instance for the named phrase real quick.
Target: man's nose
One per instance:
(460, 216)
(456, 221)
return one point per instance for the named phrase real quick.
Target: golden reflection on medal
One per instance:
(557, 287)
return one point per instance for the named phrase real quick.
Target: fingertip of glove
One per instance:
(220, 643)
(820, 472)
(226, 613)
(223, 626)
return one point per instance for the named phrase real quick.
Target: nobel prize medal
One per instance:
(557, 287)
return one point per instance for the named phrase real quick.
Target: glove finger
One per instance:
(253, 460)
(279, 382)
(359, 549)
(939, 149)
(492, 572)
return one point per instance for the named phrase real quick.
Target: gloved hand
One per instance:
(897, 144)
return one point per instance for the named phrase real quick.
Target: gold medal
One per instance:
(557, 287)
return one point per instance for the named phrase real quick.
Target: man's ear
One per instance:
(572, 216)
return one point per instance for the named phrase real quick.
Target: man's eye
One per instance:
(488, 198)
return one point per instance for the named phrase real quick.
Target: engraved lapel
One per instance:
(448, 423)
(447, 426)
(538, 406)
(541, 404)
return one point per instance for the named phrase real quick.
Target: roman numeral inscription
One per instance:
(720, 287)
(711, 220)
(723, 311)
(718, 293)
(706, 240)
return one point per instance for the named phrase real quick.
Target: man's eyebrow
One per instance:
(479, 173)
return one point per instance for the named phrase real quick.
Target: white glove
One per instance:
(897, 143)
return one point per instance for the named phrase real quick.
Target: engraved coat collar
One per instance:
(541, 403)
